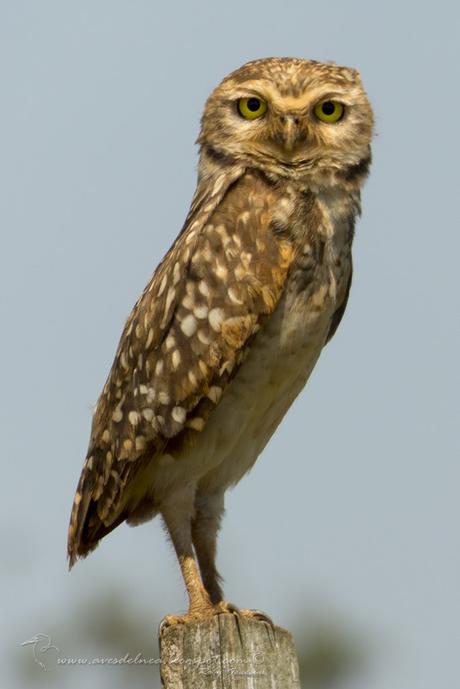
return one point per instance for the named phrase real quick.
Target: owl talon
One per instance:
(190, 617)
(259, 616)
(170, 621)
(225, 607)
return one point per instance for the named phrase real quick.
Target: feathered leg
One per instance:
(205, 527)
(177, 514)
(209, 510)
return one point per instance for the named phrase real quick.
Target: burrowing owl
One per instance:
(230, 326)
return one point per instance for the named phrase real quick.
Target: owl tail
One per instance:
(78, 517)
(86, 527)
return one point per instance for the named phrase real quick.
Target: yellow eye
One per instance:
(329, 111)
(252, 108)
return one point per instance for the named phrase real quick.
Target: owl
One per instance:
(230, 326)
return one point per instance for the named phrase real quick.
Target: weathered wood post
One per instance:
(228, 652)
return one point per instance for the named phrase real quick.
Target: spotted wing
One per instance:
(182, 344)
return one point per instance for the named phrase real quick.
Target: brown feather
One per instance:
(257, 280)
(177, 356)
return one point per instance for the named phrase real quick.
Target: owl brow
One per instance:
(248, 93)
(259, 88)
(342, 97)
(304, 102)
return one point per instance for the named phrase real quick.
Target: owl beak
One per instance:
(291, 128)
(291, 132)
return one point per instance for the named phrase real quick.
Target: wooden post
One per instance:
(228, 652)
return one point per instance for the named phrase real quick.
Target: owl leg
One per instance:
(177, 513)
(209, 510)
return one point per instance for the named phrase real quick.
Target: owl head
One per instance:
(291, 117)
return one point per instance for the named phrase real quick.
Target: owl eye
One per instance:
(329, 111)
(252, 108)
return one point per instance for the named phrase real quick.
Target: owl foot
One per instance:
(226, 607)
(171, 620)
(196, 615)
(221, 608)
(188, 618)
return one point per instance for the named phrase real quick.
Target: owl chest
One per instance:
(319, 276)
(275, 370)
(279, 362)
(280, 358)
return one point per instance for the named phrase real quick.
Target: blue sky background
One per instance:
(351, 514)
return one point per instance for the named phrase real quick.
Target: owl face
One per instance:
(295, 115)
